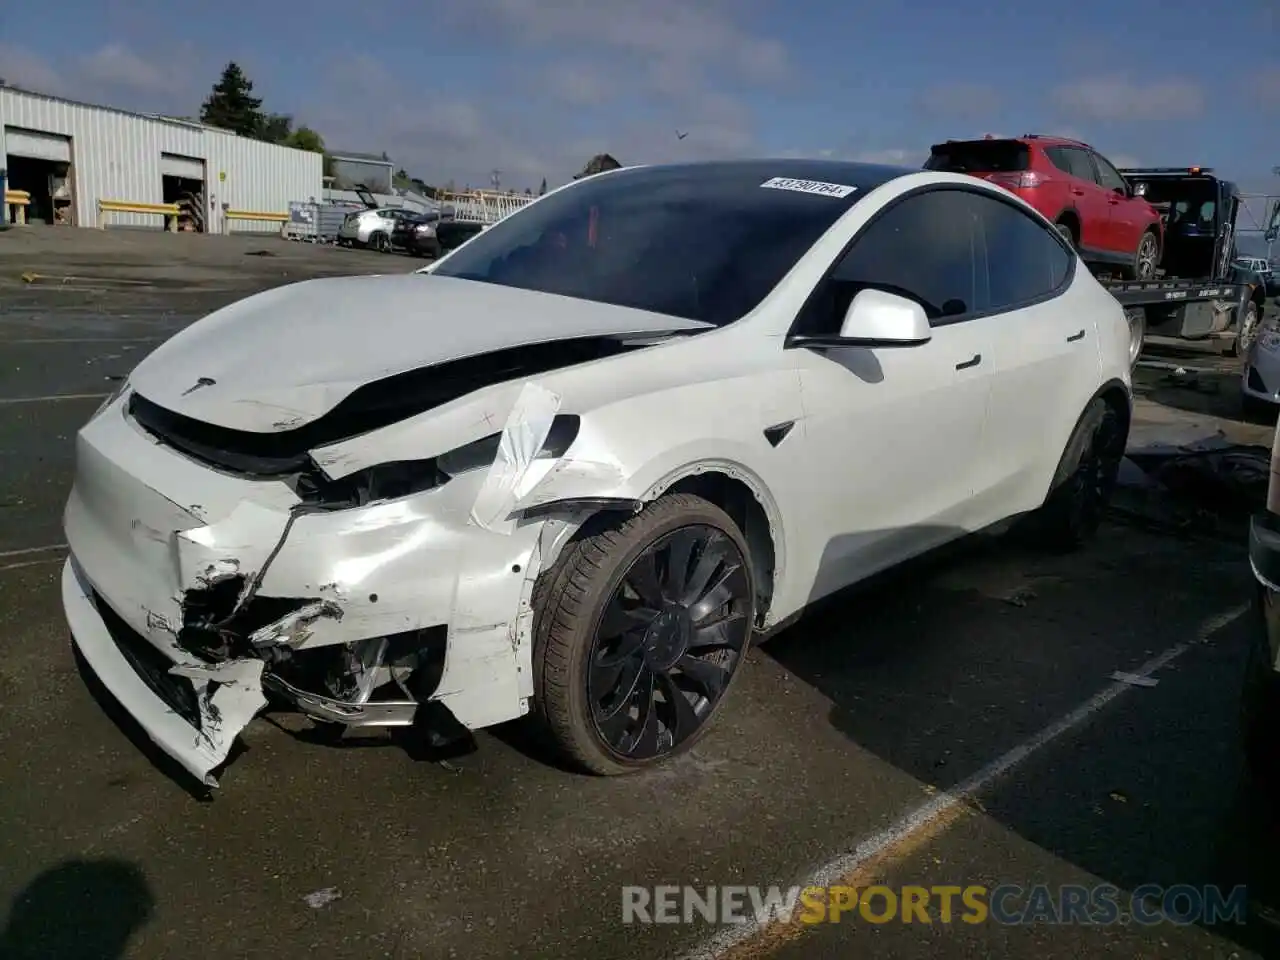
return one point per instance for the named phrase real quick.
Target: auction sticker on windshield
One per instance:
(809, 186)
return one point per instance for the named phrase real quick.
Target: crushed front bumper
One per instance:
(153, 535)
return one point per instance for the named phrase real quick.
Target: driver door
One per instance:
(895, 434)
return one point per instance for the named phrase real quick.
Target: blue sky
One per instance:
(452, 89)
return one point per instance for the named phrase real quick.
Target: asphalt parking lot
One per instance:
(953, 724)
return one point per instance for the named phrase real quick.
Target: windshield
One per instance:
(704, 242)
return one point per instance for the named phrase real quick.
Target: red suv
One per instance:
(1074, 186)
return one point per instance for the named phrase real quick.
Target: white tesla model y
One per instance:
(575, 466)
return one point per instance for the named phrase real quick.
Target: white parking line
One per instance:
(27, 551)
(943, 806)
(28, 563)
(54, 397)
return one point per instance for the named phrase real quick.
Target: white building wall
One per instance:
(116, 156)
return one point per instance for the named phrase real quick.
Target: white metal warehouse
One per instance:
(71, 156)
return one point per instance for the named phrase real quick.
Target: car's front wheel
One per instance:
(639, 630)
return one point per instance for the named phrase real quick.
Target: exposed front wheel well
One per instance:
(737, 500)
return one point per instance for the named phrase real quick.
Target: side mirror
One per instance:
(876, 319)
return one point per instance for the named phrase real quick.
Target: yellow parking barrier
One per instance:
(15, 207)
(167, 210)
(256, 216)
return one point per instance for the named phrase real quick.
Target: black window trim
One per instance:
(1088, 160)
(1098, 160)
(958, 318)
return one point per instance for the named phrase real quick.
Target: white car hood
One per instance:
(279, 359)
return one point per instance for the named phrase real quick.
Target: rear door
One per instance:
(1089, 200)
(1126, 219)
(1046, 357)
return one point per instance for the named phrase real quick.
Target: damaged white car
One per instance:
(574, 466)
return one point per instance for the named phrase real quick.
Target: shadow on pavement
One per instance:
(940, 674)
(79, 910)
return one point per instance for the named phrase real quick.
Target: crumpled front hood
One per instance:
(279, 359)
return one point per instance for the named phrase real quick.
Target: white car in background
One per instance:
(575, 465)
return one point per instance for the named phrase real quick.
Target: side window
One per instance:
(1078, 164)
(1061, 159)
(923, 248)
(1025, 260)
(1108, 175)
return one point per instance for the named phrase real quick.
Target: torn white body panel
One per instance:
(228, 696)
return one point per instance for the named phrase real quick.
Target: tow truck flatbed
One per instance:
(1150, 293)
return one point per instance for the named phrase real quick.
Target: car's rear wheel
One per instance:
(1137, 320)
(1146, 258)
(1067, 233)
(380, 241)
(639, 630)
(1085, 479)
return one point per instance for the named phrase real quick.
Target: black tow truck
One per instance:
(1199, 292)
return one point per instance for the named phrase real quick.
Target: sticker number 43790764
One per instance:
(809, 186)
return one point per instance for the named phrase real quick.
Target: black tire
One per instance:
(380, 241)
(1260, 703)
(1084, 481)
(570, 602)
(1137, 320)
(1248, 332)
(1257, 411)
(1067, 233)
(1145, 258)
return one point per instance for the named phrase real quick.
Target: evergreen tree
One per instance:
(232, 106)
(543, 189)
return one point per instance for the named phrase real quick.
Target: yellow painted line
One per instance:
(760, 936)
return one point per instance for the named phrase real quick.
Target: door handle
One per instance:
(1077, 192)
(977, 359)
(1075, 336)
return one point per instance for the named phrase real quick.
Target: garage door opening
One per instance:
(40, 164)
(182, 182)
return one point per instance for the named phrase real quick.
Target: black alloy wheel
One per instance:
(667, 643)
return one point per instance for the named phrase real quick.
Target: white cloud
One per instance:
(583, 78)
(965, 101)
(670, 31)
(892, 156)
(1118, 98)
(117, 66)
(579, 84)
(114, 75)
(1264, 85)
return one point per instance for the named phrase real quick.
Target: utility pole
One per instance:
(496, 179)
(1272, 217)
